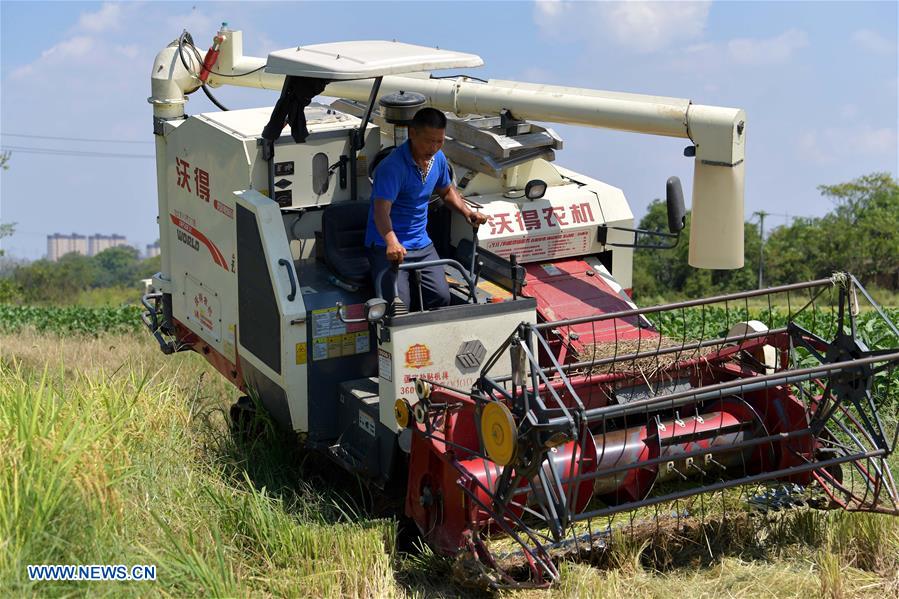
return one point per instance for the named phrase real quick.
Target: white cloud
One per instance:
(109, 17)
(641, 27)
(870, 40)
(708, 56)
(876, 141)
(74, 47)
(649, 26)
(699, 58)
(201, 25)
(767, 51)
(835, 144)
(70, 50)
(22, 72)
(549, 8)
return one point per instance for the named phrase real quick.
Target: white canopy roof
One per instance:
(364, 59)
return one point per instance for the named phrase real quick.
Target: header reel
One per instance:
(666, 410)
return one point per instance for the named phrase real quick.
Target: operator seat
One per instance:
(343, 232)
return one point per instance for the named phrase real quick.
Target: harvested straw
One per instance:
(638, 355)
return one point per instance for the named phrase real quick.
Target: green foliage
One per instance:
(667, 272)
(74, 277)
(70, 320)
(116, 266)
(6, 230)
(714, 321)
(149, 267)
(860, 235)
(862, 232)
(8, 291)
(792, 251)
(54, 281)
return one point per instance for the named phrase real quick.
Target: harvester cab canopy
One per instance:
(308, 69)
(342, 61)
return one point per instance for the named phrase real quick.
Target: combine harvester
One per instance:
(542, 400)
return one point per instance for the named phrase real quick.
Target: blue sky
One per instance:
(817, 79)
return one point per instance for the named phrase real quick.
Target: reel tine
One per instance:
(701, 407)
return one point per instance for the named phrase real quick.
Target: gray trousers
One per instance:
(434, 288)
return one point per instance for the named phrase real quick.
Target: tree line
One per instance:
(860, 234)
(43, 281)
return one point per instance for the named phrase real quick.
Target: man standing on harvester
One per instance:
(398, 217)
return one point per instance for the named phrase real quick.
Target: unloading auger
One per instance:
(656, 413)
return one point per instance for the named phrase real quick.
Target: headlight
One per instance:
(375, 309)
(535, 189)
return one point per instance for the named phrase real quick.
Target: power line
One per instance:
(87, 139)
(79, 153)
(785, 216)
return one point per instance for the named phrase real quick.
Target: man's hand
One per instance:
(454, 200)
(395, 251)
(476, 218)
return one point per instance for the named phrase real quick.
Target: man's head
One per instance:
(426, 132)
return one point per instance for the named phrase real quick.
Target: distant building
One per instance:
(152, 250)
(59, 245)
(97, 243)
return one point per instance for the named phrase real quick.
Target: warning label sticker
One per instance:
(320, 349)
(385, 365)
(543, 247)
(326, 323)
(333, 338)
(301, 353)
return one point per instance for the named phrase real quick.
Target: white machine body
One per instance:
(240, 259)
(448, 350)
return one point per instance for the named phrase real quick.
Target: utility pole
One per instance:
(761, 214)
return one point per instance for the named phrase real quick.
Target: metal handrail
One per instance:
(421, 266)
(685, 304)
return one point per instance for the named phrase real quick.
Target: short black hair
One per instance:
(429, 117)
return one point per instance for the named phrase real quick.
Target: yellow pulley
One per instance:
(401, 411)
(499, 433)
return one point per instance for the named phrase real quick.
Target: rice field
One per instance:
(112, 453)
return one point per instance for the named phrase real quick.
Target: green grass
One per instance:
(109, 455)
(113, 453)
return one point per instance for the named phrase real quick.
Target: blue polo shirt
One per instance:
(398, 180)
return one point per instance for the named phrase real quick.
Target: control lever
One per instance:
(475, 269)
(397, 307)
(513, 264)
